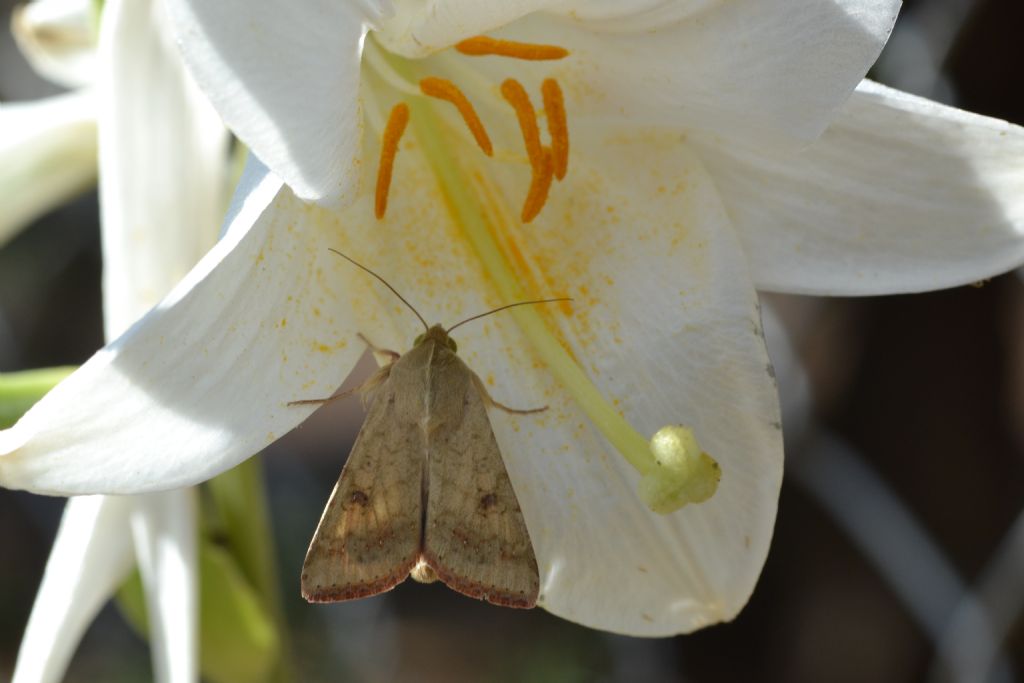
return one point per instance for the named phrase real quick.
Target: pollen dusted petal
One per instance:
(479, 46)
(446, 90)
(397, 122)
(558, 128)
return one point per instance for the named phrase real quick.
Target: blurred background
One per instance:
(899, 549)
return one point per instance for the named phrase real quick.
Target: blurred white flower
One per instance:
(715, 147)
(161, 161)
(58, 38)
(49, 146)
(48, 149)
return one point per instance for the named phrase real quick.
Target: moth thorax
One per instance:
(423, 572)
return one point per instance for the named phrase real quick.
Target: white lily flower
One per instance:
(684, 189)
(161, 169)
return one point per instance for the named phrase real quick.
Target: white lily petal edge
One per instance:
(91, 556)
(95, 548)
(900, 194)
(164, 529)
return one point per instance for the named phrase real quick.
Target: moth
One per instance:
(424, 491)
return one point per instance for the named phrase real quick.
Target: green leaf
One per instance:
(19, 391)
(238, 643)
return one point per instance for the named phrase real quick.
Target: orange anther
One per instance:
(514, 92)
(446, 90)
(388, 149)
(558, 128)
(540, 184)
(478, 46)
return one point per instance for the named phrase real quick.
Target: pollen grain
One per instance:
(558, 128)
(540, 185)
(479, 46)
(393, 131)
(444, 89)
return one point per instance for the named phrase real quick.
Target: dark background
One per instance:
(901, 493)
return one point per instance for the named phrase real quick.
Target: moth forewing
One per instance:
(475, 538)
(425, 489)
(370, 534)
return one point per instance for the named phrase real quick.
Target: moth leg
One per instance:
(491, 402)
(324, 401)
(515, 411)
(392, 355)
(374, 381)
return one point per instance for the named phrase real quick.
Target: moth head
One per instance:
(439, 335)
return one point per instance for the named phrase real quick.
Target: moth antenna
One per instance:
(386, 284)
(502, 308)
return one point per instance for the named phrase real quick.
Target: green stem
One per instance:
(240, 497)
(19, 391)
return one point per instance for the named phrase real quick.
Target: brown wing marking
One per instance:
(475, 538)
(369, 536)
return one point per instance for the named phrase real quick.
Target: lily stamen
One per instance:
(515, 94)
(542, 161)
(540, 184)
(558, 128)
(444, 89)
(479, 46)
(393, 131)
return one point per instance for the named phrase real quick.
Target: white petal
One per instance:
(418, 28)
(58, 37)
(164, 529)
(635, 15)
(285, 80)
(90, 558)
(774, 69)
(162, 163)
(203, 381)
(899, 195)
(47, 156)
